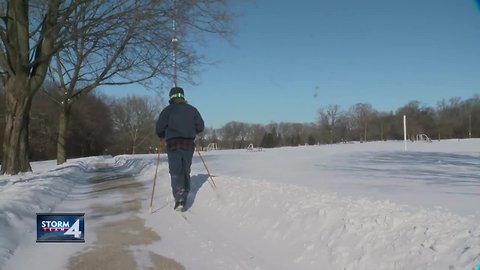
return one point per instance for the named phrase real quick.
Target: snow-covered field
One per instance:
(346, 206)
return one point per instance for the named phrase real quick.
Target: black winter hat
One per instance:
(176, 92)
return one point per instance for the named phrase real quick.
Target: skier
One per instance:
(178, 124)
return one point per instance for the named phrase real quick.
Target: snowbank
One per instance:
(44, 189)
(304, 229)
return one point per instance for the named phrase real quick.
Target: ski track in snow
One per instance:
(254, 223)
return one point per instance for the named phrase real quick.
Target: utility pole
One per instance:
(405, 132)
(174, 42)
(470, 125)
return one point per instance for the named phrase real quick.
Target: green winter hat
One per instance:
(176, 92)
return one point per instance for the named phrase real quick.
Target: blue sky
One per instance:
(290, 58)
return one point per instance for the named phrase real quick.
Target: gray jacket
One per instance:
(179, 120)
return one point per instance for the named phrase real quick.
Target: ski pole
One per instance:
(212, 183)
(155, 179)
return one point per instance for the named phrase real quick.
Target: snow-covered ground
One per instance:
(346, 206)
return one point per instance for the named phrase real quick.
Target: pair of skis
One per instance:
(210, 180)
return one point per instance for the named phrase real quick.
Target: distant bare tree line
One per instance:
(451, 118)
(106, 125)
(99, 125)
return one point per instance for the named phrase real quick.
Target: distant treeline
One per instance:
(454, 118)
(99, 125)
(105, 125)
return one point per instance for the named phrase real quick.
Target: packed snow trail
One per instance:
(107, 192)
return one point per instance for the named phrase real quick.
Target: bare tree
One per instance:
(91, 128)
(43, 126)
(328, 120)
(472, 115)
(362, 113)
(231, 134)
(291, 133)
(448, 116)
(201, 139)
(30, 34)
(257, 132)
(125, 42)
(210, 136)
(344, 127)
(245, 135)
(119, 42)
(420, 118)
(133, 119)
(2, 114)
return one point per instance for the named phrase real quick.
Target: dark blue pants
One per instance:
(179, 163)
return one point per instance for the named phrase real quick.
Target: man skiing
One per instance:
(178, 124)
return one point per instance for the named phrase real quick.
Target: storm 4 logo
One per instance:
(61, 227)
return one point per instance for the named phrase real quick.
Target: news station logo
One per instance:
(61, 227)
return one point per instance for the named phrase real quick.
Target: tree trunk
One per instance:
(331, 135)
(24, 60)
(381, 131)
(133, 148)
(365, 134)
(134, 141)
(62, 133)
(15, 143)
